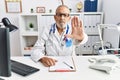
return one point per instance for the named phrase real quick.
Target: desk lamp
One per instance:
(7, 24)
(5, 63)
(101, 27)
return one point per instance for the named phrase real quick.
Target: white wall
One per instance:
(112, 16)
(14, 37)
(26, 6)
(112, 11)
(52, 4)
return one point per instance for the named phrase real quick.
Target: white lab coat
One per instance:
(50, 44)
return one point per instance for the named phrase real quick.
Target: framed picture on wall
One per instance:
(40, 9)
(13, 6)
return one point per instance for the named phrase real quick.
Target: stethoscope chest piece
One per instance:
(67, 42)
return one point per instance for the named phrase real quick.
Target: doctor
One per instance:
(59, 38)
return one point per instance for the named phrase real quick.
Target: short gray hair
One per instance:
(62, 6)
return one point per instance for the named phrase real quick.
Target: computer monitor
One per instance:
(5, 66)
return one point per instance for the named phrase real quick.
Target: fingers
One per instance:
(76, 22)
(69, 36)
(72, 22)
(80, 23)
(46, 65)
(48, 61)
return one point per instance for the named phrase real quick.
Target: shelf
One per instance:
(26, 52)
(28, 37)
(30, 33)
(85, 13)
(92, 34)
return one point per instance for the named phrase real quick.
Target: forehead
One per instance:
(62, 9)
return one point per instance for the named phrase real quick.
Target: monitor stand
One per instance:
(1, 79)
(5, 66)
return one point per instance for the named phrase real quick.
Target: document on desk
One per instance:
(63, 64)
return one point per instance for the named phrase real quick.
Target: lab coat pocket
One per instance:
(50, 48)
(68, 50)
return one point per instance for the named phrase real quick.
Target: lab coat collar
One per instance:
(60, 37)
(66, 28)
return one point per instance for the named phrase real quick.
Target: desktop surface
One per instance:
(83, 71)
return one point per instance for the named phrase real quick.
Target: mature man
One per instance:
(59, 39)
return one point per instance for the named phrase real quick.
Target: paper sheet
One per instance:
(63, 64)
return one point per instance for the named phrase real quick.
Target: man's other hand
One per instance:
(46, 61)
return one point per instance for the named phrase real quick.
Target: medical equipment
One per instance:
(103, 64)
(105, 32)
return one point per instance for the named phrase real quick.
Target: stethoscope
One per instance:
(65, 40)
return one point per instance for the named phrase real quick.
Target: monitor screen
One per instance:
(5, 66)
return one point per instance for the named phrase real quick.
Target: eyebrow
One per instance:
(62, 13)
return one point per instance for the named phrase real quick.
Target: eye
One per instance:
(62, 14)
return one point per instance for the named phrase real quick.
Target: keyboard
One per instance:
(22, 69)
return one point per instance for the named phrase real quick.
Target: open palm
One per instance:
(77, 29)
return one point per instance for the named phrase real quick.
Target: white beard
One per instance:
(61, 26)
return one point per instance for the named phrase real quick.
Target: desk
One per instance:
(83, 72)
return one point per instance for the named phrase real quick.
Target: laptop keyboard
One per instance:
(22, 69)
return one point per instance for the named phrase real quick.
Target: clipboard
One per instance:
(63, 64)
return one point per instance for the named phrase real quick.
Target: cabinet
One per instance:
(90, 21)
(28, 37)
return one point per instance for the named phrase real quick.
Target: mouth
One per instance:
(62, 22)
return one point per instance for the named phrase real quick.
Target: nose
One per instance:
(62, 16)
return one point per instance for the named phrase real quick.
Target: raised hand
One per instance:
(77, 29)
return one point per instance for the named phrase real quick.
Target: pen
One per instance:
(68, 65)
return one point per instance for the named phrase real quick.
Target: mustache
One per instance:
(62, 21)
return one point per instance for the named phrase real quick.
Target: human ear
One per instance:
(69, 18)
(55, 17)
